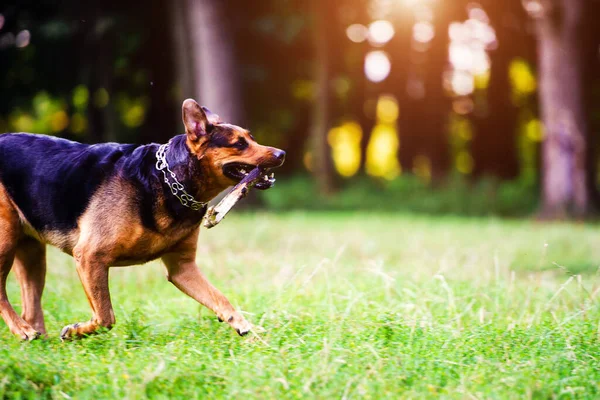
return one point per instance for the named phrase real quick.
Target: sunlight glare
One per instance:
(377, 66)
(357, 33)
(423, 32)
(380, 32)
(462, 83)
(461, 56)
(478, 13)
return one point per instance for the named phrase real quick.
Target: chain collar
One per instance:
(175, 186)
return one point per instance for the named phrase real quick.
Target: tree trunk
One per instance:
(494, 144)
(565, 190)
(164, 115)
(321, 114)
(424, 112)
(206, 66)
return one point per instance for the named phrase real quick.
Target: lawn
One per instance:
(352, 305)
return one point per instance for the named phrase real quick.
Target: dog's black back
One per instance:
(52, 180)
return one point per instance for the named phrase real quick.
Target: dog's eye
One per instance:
(241, 144)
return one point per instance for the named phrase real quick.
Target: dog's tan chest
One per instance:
(146, 246)
(112, 225)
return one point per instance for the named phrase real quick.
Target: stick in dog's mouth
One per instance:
(215, 214)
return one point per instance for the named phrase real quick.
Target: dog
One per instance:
(114, 204)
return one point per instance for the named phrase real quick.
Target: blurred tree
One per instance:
(424, 105)
(97, 52)
(206, 61)
(164, 119)
(494, 145)
(561, 27)
(324, 16)
(362, 98)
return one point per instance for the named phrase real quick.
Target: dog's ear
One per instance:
(195, 120)
(214, 119)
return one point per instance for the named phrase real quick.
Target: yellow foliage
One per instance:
(81, 96)
(101, 98)
(482, 81)
(22, 122)
(534, 129)
(303, 90)
(132, 110)
(78, 123)
(464, 162)
(522, 78)
(422, 168)
(345, 146)
(308, 161)
(134, 116)
(48, 116)
(59, 121)
(388, 110)
(382, 152)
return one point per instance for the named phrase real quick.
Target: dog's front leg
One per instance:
(93, 272)
(183, 272)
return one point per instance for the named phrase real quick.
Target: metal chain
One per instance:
(176, 187)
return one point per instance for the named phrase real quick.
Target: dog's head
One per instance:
(230, 152)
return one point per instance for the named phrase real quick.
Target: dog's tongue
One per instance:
(215, 214)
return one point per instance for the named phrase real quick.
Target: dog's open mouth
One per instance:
(237, 172)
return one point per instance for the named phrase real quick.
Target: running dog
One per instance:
(114, 204)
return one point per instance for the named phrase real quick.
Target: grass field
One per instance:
(352, 306)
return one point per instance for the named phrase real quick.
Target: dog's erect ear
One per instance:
(195, 120)
(214, 119)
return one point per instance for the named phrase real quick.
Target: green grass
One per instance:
(353, 306)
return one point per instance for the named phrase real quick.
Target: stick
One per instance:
(215, 214)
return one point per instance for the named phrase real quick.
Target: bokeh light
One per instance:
(464, 162)
(101, 98)
(7, 40)
(470, 42)
(422, 168)
(377, 66)
(388, 110)
(535, 8)
(462, 83)
(423, 32)
(23, 38)
(81, 96)
(461, 56)
(522, 77)
(478, 13)
(382, 152)
(59, 121)
(345, 148)
(357, 33)
(78, 123)
(534, 130)
(380, 32)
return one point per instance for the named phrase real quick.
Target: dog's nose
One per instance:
(280, 155)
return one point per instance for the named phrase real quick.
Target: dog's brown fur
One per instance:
(110, 233)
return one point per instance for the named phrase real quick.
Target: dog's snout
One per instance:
(273, 157)
(280, 155)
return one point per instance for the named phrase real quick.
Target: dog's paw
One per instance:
(28, 334)
(69, 332)
(239, 323)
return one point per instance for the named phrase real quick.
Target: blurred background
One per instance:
(461, 107)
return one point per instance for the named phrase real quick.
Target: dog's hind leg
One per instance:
(30, 268)
(10, 231)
